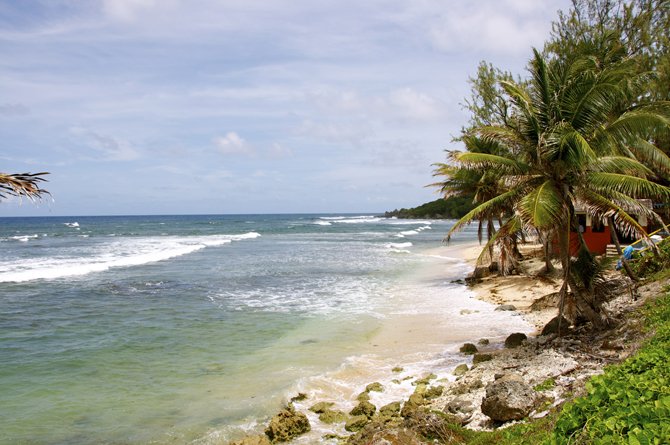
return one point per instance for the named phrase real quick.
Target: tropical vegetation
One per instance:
(588, 129)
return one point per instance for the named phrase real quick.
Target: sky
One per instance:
(141, 107)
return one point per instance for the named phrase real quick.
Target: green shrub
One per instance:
(629, 403)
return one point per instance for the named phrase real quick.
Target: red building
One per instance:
(597, 235)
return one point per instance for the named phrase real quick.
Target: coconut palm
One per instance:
(483, 183)
(572, 141)
(23, 184)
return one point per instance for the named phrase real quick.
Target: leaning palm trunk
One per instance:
(584, 303)
(624, 261)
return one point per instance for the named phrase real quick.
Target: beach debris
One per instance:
(515, 340)
(287, 424)
(261, 439)
(356, 423)
(506, 307)
(398, 369)
(377, 433)
(330, 416)
(483, 342)
(465, 311)
(460, 407)
(480, 358)
(461, 369)
(377, 387)
(508, 400)
(364, 408)
(469, 349)
(321, 407)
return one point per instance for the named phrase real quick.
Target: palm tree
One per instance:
(571, 140)
(23, 184)
(483, 183)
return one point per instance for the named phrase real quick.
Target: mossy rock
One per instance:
(409, 377)
(299, 398)
(330, 416)
(364, 409)
(397, 369)
(376, 387)
(483, 342)
(434, 392)
(396, 381)
(469, 349)
(321, 407)
(286, 425)
(481, 358)
(461, 369)
(421, 382)
(356, 423)
(421, 388)
(363, 397)
(390, 409)
(253, 440)
(431, 376)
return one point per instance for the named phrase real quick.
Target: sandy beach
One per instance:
(520, 291)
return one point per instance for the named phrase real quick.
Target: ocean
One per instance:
(197, 329)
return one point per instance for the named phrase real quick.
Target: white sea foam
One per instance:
(409, 232)
(322, 223)
(358, 220)
(74, 224)
(23, 238)
(400, 223)
(399, 245)
(122, 253)
(332, 217)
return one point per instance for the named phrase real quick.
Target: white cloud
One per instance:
(233, 144)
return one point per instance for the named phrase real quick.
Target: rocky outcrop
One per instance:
(505, 307)
(508, 400)
(377, 387)
(433, 392)
(286, 425)
(253, 440)
(552, 327)
(364, 408)
(461, 369)
(321, 407)
(469, 349)
(415, 402)
(330, 416)
(356, 423)
(480, 358)
(515, 340)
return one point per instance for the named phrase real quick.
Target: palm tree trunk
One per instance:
(549, 251)
(490, 233)
(624, 261)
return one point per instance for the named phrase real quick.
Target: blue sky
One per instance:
(244, 106)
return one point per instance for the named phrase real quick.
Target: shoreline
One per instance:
(520, 291)
(367, 367)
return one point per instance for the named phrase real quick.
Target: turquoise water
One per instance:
(195, 329)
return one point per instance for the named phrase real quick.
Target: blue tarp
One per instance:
(628, 254)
